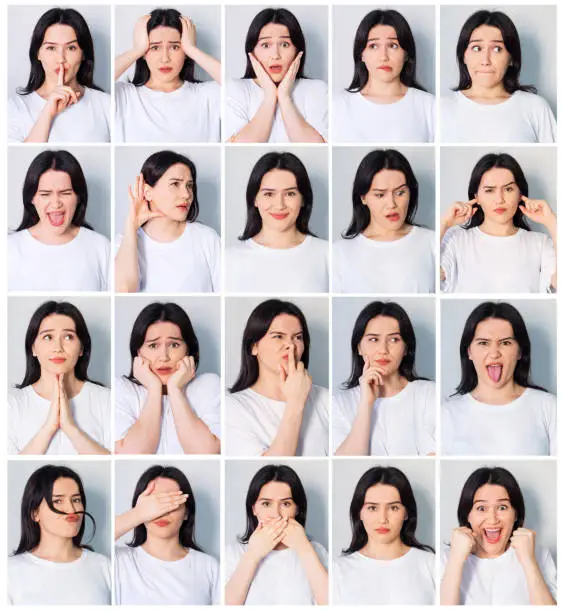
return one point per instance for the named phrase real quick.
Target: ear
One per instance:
(469, 353)
(363, 199)
(148, 193)
(254, 349)
(35, 515)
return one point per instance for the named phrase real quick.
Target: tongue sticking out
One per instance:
(57, 219)
(495, 372)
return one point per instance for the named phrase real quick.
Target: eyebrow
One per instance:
(379, 38)
(159, 42)
(391, 334)
(179, 179)
(67, 43)
(160, 337)
(394, 188)
(49, 190)
(273, 331)
(52, 330)
(473, 40)
(391, 503)
(491, 186)
(485, 501)
(77, 494)
(268, 37)
(270, 499)
(500, 339)
(274, 189)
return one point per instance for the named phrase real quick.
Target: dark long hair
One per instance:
(74, 19)
(186, 534)
(39, 487)
(273, 473)
(154, 313)
(384, 309)
(404, 36)
(158, 163)
(169, 18)
(371, 164)
(279, 16)
(32, 366)
(61, 161)
(256, 328)
(486, 163)
(277, 161)
(502, 21)
(506, 312)
(395, 478)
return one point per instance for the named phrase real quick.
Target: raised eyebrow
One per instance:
(391, 334)
(44, 331)
(484, 501)
(270, 37)
(393, 189)
(54, 43)
(284, 189)
(379, 38)
(476, 40)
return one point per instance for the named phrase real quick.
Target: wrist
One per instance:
(284, 97)
(175, 391)
(154, 389)
(253, 557)
(304, 548)
(295, 405)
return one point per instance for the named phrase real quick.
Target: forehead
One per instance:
(286, 323)
(491, 493)
(382, 325)
(163, 329)
(274, 30)
(382, 31)
(59, 33)
(278, 179)
(497, 176)
(382, 494)
(486, 33)
(388, 179)
(180, 171)
(164, 34)
(165, 485)
(275, 490)
(57, 321)
(65, 486)
(494, 328)
(54, 179)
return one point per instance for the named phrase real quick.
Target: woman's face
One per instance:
(57, 346)
(168, 525)
(494, 352)
(486, 57)
(278, 200)
(388, 199)
(382, 344)
(173, 193)
(284, 335)
(498, 195)
(165, 56)
(383, 55)
(383, 513)
(66, 498)
(60, 48)
(55, 202)
(492, 519)
(163, 348)
(275, 500)
(274, 50)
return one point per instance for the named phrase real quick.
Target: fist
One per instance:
(524, 542)
(463, 542)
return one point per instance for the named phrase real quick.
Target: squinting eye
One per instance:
(379, 195)
(402, 192)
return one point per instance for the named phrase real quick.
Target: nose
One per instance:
(163, 353)
(495, 351)
(486, 57)
(276, 53)
(165, 54)
(383, 52)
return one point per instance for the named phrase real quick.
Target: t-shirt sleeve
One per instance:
(427, 427)
(215, 584)
(549, 572)
(321, 554)
(551, 418)
(548, 264)
(340, 424)
(236, 109)
(13, 426)
(547, 128)
(240, 439)
(316, 109)
(215, 262)
(126, 409)
(210, 401)
(232, 557)
(106, 263)
(106, 419)
(16, 131)
(448, 260)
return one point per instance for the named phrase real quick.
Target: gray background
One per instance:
(203, 477)
(345, 162)
(539, 165)
(345, 476)
(207, 20)
(345, 311)
(540, 319)
(204, 313)
(536, 25)
(96, 479)
(312, 473)
(239, 162)
(346, 20)
(22, 21)
(207, 160)
(537, 479)
(313, 21)
(95, 164)
(97, 314)
(316, 314)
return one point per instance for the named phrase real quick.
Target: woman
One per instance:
(161, 231)
(384, 250)
(60, 102)
(57, 409)
(164, 102)
(274, 101)
(163, 564)
(273, 408)
(495, 394)
(385, 564)
(492, 558)
(385, 408)
(54, 248)
(51, 565)
(489, 103)
(162, 406)
(278, 252)
(494, 228)
(385, 102)
(274, 562)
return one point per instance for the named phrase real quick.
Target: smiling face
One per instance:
(383, 56)
(383, 345)
(165, 56)
(486, 57)
(57, 346)
(498, 195)
(173, 193)
(60, 48)
(494, 352)
(168, 525)
(388, 199)
(492, 519)
(55, 202)
(285, 334)
(274, 50)
(163, 348)
(278, 200)
(66, 498)
(383, 514)
(275, 500)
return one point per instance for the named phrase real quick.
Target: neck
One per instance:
(55, 548)
(495, 92)
(374, 231)
(497, 396)
(164, 229)
(44, 234)
(166, 86)
(388, 551)
(47, 381)
(393, 384)
(268, 384)
(393, 89)
(166, 549)
(279, 240)
(498, 229)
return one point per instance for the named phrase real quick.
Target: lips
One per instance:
(500, 210)
(165, 70)
(393, 216)
(57, 360)
(56, 218)
(382, 362)
(279, 216)
(492, 536)
(72, 518)
(164, 370)
(382, 530)
(162, 523)
(495, 371)
(385, 68)
(275, 68)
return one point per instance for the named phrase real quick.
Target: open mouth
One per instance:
(495, 371)
(56, 219)
(492, 536)
(275, 68)
(393, 217)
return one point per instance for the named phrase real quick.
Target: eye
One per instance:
(394, 339)
(510, 189)
(488, 190)
(153, 47)
(498, 49)
(503, 507)
(371, 508)
(287, 504)
(77, 500)
(372, 46)
(267, 194)
(47, 337)
(378, 195)
(299, 337)
(175, 345)
(152, 346)
(175, 47)
(57, 501)
(401, 192)
(476, 48)
(394, 46)
(265, 45)
(292, 193)
(506, 342)
(481, 508)
(175, 183)
(482, 342)
(395, 508)
(265, 504)
(276, 336)
(50, 48)
(73, 48)
(69, 337)
(285, 44)
(373, 339)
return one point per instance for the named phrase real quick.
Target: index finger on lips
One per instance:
(61, 75)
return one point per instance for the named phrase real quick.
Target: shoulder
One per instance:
(18, 562)
(451, 99)
(98, 392)
(204, 560)
(239, 249)
(96, 559)
(235, 550)
(125, 387)
(207, 382)
(534, 237)
(239, 88)
(345, 97)
(457, 235)
(317, 244)
(455, 402)
(123, 554)
(319, 396)
(98, 96)
(422, 96)
(18, 102)
(531, 101)
(17, 238)
(312, 86)
(428, 387)
(18, 396)
(541, 398)
(423, 557)
(209, 88)
(95, 238)
(341, 246)
(203, 231)
(240, 398)
(345, 397)
(423, 234)
(125, 88)
(321, 551)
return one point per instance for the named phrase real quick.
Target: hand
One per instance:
(65, 412)
(151, 505)
(184, 374)
(62, 96)
(295, 380)
(141, 36)
(371, 382)
(188, 35)
(294, 535)
(286, 84)
(139, 211)
(524, 541)
(537, 210)
(463, 542)
(266, 537)
(52, 423)
(263, 77)
(143, 373)
(459, 212)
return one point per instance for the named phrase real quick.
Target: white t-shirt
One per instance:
(86, 121)
(191, 113)
(524, 117)
(525, 426)
(35, 581)
(189, 264)
(407, 265)
(280, 578)
(252, 267)
(79, 265)
(408, 580)
(253, 420)
(475, 262)
(141, 579)
(500, 581)
(357, 119)
(244, 98)
(27, 413)
(204, 397)
(401, 425)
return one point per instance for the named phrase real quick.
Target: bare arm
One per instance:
(208, 63)
(126, 522)
(124, 61)
(538, 590)
(144, 435)
(451, 582)
(316, 573)
(83, 443)
(258, 129)
(236, 589)
(127, 262)
(296, 127)
(140, 47)
(287, 437)
(357, 441)
(39, 444)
